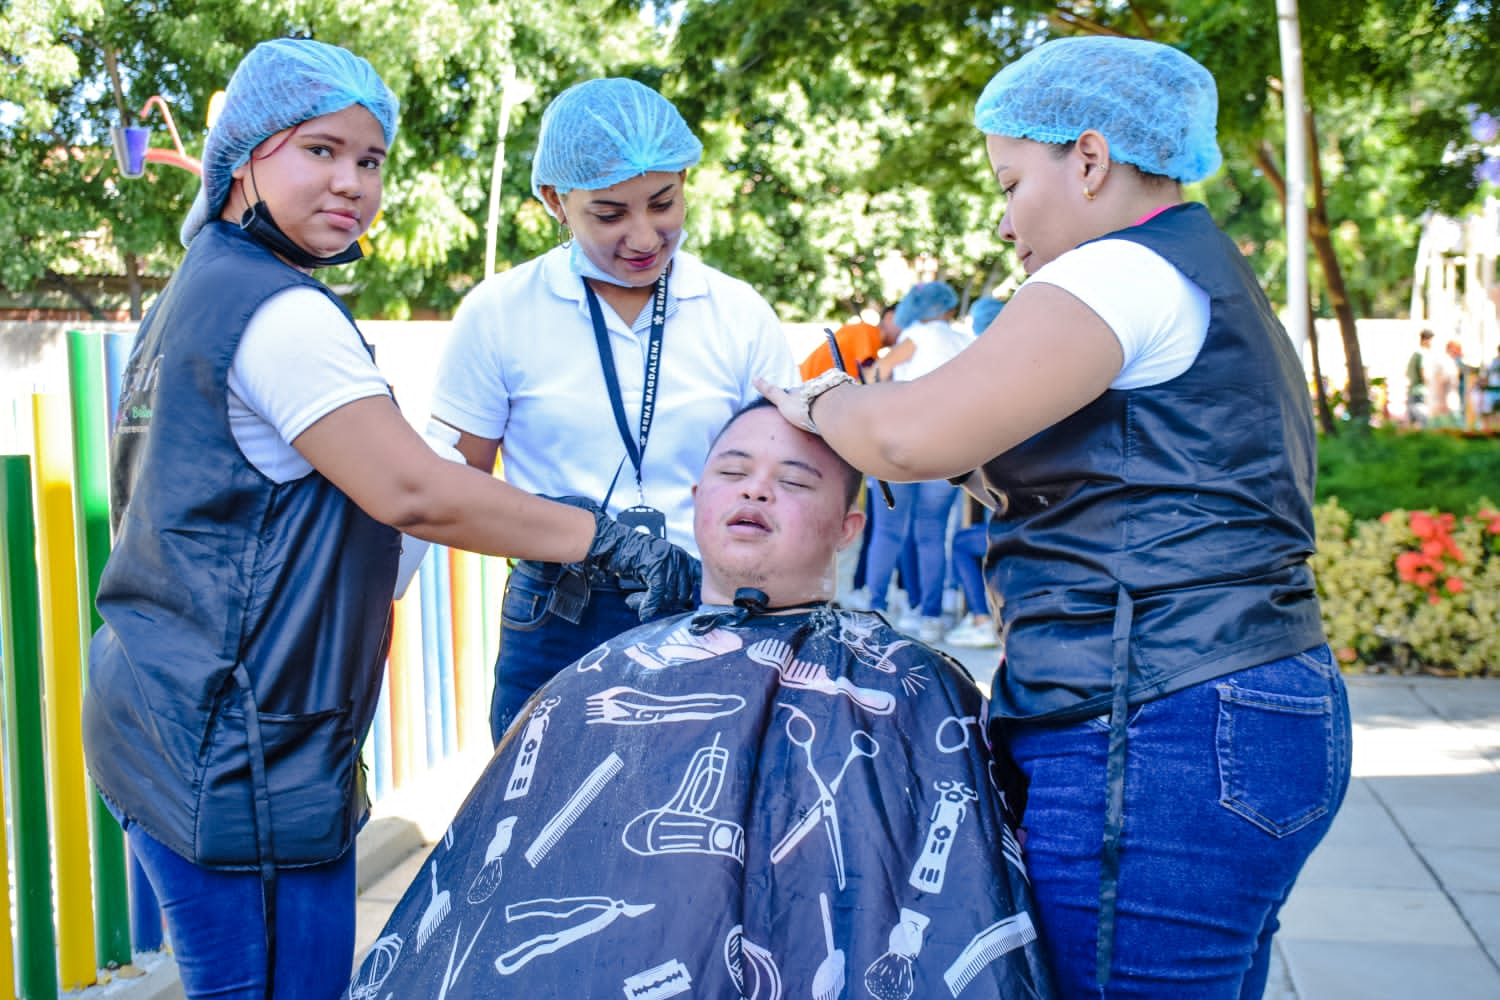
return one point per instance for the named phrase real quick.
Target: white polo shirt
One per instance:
(522, 366)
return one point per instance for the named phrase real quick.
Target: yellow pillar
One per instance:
(62, 665)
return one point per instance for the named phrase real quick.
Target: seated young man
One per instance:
(769, 797)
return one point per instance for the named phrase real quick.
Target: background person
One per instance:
(860, 345)
(604, 367)
(1489, 404)
(773, 797)
(1140, 422)
(1420, 368)
(983, 312)
(262, 475)
(920, 517)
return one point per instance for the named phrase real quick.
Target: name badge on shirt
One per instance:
(646, 520)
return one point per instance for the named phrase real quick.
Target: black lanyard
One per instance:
(635, 448)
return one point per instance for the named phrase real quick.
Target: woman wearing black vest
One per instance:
(1140, 422)
(263, 477)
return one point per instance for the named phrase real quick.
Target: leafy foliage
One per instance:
(1411, 589)
(838, 134)
(1387, 469)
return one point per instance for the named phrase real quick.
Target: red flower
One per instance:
(1453, 585)
(1422, 524)
(1434, 548)
(1407, 565)
(1433, 598)
(1494, 527)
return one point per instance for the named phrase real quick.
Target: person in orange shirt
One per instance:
(859, 343)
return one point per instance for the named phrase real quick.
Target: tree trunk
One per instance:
(133, 282)
(1318, 231)
(1325, 412)
(1321, 234)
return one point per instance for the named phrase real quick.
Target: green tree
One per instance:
(444, 59)
(1388, 79)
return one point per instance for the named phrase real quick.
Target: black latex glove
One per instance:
(670, 575)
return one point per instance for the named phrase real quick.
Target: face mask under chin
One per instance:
(581, 264)
(259, 226)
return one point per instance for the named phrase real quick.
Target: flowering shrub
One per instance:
(1412, 589)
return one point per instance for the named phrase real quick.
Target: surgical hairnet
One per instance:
(598, 133)
(983, 312)
(928, 300)
(279, 84)
(1156, 106)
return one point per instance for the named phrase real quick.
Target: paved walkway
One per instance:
(1401, 900)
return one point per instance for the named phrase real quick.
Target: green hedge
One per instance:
(1384, 469)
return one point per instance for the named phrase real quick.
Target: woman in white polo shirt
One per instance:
(604, 367)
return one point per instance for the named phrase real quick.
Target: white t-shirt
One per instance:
(1159, 316)
(522, 367)
(936, 341)
(298, 360)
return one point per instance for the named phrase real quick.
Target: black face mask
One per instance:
(259, 226)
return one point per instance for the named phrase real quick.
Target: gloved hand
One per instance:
(670, 576)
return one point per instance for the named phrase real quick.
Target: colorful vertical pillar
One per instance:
(26, 785)
(467, 569)
(91, 514)
(432, 669)
(62, 663)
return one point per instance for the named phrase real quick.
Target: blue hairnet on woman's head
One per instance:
(1156, 106)
(598, 133)
(983, 312)
(928, 300)
(282, 83)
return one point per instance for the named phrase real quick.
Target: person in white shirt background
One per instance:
(928, 340)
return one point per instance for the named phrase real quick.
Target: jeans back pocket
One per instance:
(1278, 751)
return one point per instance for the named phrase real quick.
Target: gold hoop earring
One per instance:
(564, 234)
(1089, 194)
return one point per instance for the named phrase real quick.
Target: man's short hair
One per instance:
(852, 476)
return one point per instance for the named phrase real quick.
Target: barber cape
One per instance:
(795, 804)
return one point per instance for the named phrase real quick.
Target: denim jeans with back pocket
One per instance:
(1229, 785)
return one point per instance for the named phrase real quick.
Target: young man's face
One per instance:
(770, 512)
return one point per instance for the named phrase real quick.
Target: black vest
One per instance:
(1164, 529)
(245, 622)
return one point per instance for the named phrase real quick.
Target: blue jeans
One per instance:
(217, 927)
(921, 513)
(969, 547)
(535, 644)
(1229, 785)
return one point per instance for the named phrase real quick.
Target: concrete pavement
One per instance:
(1401, 900)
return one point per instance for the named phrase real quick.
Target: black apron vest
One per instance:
(245, 622)
(1190, 501)
(1158, 538)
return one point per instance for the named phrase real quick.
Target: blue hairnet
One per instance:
(983, 312)
(1156, 106)
(279, 84)
(598, 133)
(928, 300)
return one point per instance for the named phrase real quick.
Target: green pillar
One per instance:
(21, 660)
(91, 509)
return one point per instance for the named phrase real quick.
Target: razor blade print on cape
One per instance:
(799, 805)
